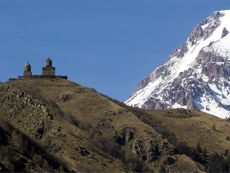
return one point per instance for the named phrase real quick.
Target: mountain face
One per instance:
(196, 75)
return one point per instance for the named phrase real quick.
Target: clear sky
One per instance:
(109, 45)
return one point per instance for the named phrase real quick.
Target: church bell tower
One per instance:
(48, 70)
(27, 70)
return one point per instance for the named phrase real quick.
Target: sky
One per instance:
(109, 45)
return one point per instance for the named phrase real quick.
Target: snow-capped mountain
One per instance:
(197, 75)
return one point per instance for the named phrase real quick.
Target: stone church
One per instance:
(48, 71)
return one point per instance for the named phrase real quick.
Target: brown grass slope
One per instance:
(195, 127)
(86, 131)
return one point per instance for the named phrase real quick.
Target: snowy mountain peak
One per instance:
(196, 75)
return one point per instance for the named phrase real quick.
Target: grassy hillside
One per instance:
(84, 131)
(196, 128)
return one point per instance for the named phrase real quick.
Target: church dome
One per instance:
(27, 64)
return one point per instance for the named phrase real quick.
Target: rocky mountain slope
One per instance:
(54, 125)
(196, 75)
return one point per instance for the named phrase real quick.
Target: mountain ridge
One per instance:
(189, 79)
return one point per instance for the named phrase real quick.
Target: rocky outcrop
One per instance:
(225, 32)
(65, 97)
(39, 117)
(151, 149)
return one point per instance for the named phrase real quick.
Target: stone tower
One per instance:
(27, 70)
(48, 70)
